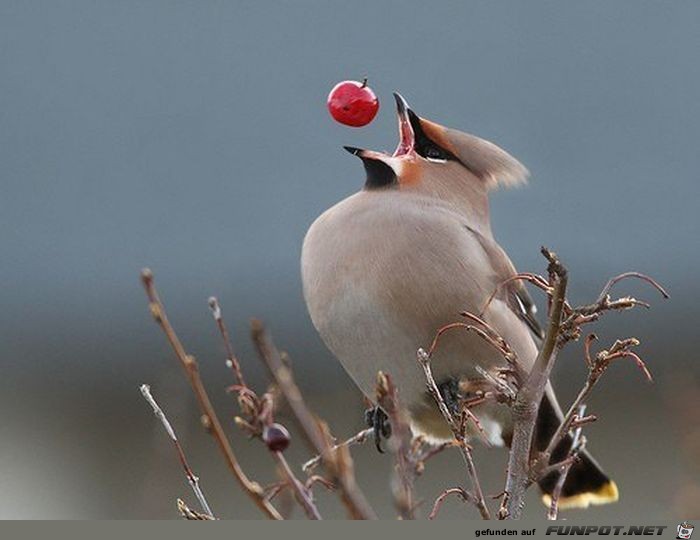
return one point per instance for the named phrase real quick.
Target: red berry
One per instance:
(276, 437)
(353, 103)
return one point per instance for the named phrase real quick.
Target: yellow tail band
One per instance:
(607, 493)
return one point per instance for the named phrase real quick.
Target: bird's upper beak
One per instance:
(407, 139)
(407, 136)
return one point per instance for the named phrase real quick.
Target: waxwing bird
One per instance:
(385, 268)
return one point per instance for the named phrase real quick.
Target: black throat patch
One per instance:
(379, 174)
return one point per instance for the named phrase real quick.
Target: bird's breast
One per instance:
(380, 278)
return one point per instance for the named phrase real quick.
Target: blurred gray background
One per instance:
(192, 137)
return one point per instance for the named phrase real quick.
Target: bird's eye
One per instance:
(434, 153)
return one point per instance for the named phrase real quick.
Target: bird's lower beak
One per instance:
(407, 138)
(406, 135)
(365, 154)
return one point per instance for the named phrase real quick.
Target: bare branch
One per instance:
(529, 396)
(421, 457)
(482, 333)
(301, 492)
(511, 384)
(535, 279)
(597, 367)
(358, 438)
(576, 448)
(339, 468)
(187, 513)
(209, 418)
(458, 491)
(400, 444)
(191, 477)
(231, 358)
(610, 284)
(458, 433)
(318, 479)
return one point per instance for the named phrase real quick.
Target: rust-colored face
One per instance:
(439, 160)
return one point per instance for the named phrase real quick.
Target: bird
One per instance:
(385, 268)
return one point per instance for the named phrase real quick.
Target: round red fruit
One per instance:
(353, 103)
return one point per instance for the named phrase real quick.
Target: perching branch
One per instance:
(529, 396)
(458, 431)
(401, 446)
(512, 385)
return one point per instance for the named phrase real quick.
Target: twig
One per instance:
(358, 438)
(318, 479)
(405, 470)
(501, 386)
(458, 491)
(573, 453)
(483, 333)
(597, 366)
(529, 396)
(431, 452)
(609, 285)
(209, 418)
(457, 432)
(301, 493)
(191, 477)
(231, 358)
(336, 462)
(187, 513)
(575, 318)
(536, 280)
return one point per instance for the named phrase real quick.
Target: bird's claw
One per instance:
(451, 395)
(377, 419)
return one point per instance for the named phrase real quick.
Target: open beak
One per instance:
(407, 137)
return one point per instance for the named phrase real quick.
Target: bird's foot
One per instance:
(377, 419)
(451, 395)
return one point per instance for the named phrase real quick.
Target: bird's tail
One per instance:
(586, 482)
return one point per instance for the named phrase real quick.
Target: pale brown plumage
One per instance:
(385, 268)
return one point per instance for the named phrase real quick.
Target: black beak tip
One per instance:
(354, 151)
(401, 105)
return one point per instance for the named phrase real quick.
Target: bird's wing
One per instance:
(525, 307)
(517, 296)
